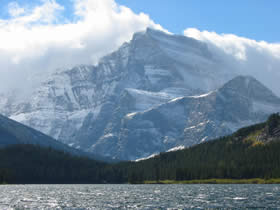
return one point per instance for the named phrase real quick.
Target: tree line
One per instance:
(238, 156)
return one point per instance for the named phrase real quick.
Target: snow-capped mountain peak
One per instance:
(154, 93)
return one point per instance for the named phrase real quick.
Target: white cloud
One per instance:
(39, 40)
(45, 13)
(249, 57)
(15, 10)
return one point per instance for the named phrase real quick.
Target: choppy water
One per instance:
(138, 196)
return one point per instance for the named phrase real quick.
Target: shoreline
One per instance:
(217, 181)
(195, 181)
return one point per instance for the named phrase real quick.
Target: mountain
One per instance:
(115, 108)
(251, 152)
(75, 105)
(185, 121)
(14, 133)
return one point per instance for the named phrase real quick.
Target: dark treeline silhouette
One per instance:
(251, 152)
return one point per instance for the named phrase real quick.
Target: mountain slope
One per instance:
(189, 120)
(75, 105)
(251, 152)
(14, 133)
(95, 108)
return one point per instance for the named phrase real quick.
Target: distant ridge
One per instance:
(190, 120)
(251, 152)
(14, 133)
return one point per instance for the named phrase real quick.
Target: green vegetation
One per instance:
(251, 155)
(31, 164)
(218, 181)
(222, 159)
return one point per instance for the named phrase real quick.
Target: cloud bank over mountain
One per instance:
(257, 58)
(39, 39)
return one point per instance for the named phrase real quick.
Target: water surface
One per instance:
(138, 196)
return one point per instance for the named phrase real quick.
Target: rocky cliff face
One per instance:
(185, 121)
(137, 100)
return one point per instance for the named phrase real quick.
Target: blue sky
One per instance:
(255, 19)
(41, 36)
(30, 4)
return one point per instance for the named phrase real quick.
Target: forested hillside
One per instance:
(251, 152)
(34, 164)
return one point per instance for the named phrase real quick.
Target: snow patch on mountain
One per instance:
(203, 95)
(146, 158)
(156, 92)
(181, 147)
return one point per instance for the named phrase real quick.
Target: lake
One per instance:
(138, 196)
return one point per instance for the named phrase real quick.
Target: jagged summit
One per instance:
(149, 32)
(172, 45)
(159, 35)
(243, 82)
(189, 120)
(249, 87)
(143, 98)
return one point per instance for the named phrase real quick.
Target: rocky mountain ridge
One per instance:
(189, 120)
(115, 108)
